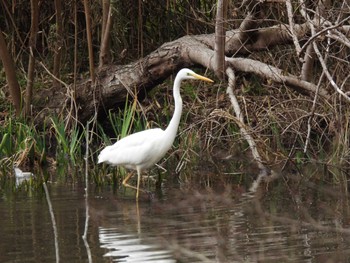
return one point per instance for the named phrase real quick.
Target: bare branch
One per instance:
(291, 27)
(336, 35)
(252, 145)
(308, 65)
(318, 53)
(325, 30)
(328, 75)
(277, 75)
(312, 113)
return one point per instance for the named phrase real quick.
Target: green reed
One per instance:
(123, 123)
(21, 142)
(68, 140)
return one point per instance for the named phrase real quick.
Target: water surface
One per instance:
(284, 221)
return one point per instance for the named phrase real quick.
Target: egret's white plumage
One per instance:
(141, 150)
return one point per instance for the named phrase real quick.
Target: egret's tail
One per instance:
(102, 157)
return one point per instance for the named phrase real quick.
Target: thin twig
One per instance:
(244, 132)
(312, 114)
(52, 75)
(70, 95)
(328, 75)
(84, 237)
(338, 37)
(325, 30)
(291, 27)
(53, 221)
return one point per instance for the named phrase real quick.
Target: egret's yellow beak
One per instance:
(197, 76)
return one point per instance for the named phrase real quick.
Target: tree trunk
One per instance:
(10, 72)
(89, 39)
(58, 45)
(105, 53)
(31, 64)
(219, 55)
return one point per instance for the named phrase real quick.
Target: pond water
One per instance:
(283, 221)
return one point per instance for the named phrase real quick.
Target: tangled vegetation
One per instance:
(290, 126)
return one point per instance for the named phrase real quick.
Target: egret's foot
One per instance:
(139, 191)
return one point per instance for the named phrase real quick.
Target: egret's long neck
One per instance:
(171, 130)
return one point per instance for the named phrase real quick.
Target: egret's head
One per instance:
(186, 73)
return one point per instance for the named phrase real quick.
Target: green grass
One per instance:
(206, 126)
(123, 123)
(68, 140)
(21, 142)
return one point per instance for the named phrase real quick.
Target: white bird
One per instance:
(141, 150)
(21, 176)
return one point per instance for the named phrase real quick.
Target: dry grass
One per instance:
(275, 116)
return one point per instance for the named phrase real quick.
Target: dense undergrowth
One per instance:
(292, 131)
(208, 140)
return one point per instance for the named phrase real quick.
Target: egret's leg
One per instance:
(125, 181)
(138, 183)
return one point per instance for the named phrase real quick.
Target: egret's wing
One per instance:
(133, 149)
(137, 139)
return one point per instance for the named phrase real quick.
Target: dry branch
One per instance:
(308, 65)
(252, 145)
(314, 36)
(275, 74)
(291, 26)
(113, 82)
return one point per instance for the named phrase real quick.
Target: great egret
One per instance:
(141, 150)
